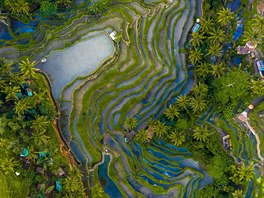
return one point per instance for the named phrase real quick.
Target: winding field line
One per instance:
(243, 117)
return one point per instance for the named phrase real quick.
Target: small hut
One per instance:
(129, 136)
(150, 133)
(29, 92)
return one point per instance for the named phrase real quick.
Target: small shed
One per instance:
(150, 133)
(129, 136)
(227, 142)
(260, 65)
(113, 35)
(251, 46)
(196, 27)
(24, 153)
(58, 186)
(29, 92)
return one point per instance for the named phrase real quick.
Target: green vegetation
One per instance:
(24, 8)
(26, 124)
(120, 97)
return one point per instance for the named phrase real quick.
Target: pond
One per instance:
(78, 60)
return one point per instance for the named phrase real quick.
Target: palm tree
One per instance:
(7, 165)
(206, 25)
(97, 191)
(72, 185)
(217, 70)
(177, 138)
(28, 68)
(224, 16)
(217, 35)
(238, 194)
(200, 89)
(17, 7)
(172, 112)
(130, 123)
(160, 129)
(242, 174)
(20, 107)
(195, 56)
(253, 34)
(198, 104)
(6, 145)
(215, 50)
(257, 87)
(141, 135)
(40, 96)
(201, 133)
(202, 70)
(6, 68)
(151, 121)
(246, 173)
(11, 93)
(2, 83)
(16, 79)
(182, 102)
(41, 123)
(197, 39)
(39, 138)
(258, 23)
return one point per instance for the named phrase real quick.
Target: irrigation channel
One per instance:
(98, 83)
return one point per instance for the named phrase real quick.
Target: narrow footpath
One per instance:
(244, 118)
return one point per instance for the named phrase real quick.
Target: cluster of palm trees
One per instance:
(17, 7)
(242, 173)
(207, 44)
(22, 8)
(191, 105)
(26, 122)
(254, 30)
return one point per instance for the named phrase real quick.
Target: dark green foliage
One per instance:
(48, 9)
(98, 7)
(26, 122)
(231, 90)
(232, 87)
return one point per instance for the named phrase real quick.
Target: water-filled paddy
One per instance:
(108, 185)
(78, 60)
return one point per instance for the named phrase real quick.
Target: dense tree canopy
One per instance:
(232, 87)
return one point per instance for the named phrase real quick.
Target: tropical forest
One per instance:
(132, 98)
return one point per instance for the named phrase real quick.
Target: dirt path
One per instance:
(243, 117)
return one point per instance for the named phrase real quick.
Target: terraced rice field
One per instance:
(97, 88)
(147, 72)
(244, 144)
(79, 60)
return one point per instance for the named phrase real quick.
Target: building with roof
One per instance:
(29, 92)
(150, 133)
(260, 8)
(260, 65)
(113, 35)
(248, 48)
(196, 27)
